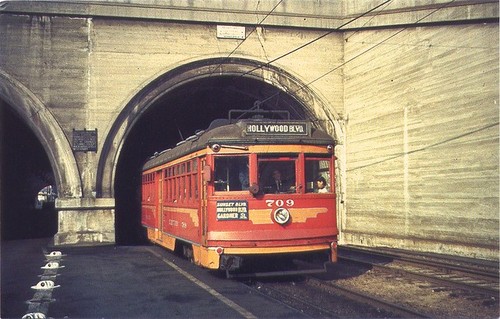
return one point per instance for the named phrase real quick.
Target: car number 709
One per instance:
(280, 202)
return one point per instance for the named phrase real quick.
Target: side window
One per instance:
(318, 178)
(181, 183)
(195, 179)
(148, 188)
(231, 173)
(277, 175)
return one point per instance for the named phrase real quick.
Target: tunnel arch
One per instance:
(45, 127)
(192, 71)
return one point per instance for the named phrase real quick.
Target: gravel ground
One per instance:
(422, 297)
(427, 298)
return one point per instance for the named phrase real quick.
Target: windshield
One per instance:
(318, 179)
(277, 174)
(231, 173)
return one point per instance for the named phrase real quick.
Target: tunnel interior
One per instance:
(25, 170)
(174, 117)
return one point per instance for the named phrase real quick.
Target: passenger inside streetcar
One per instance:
(321, 185)
(279, 176)
(278, 185)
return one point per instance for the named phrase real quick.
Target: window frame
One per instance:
(329, 171)
(264, 183)
(233, 177)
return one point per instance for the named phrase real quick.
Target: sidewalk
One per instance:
(126, 282)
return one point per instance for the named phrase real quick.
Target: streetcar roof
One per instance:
(244, 133)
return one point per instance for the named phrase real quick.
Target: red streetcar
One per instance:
(245, 194)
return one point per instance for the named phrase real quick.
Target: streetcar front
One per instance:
(270, 198)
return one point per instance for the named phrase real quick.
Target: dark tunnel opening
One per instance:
(174, 117)
(25, 171)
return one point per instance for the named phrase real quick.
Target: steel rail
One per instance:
(431, 278)
(333, 290)
(357, 296)
(473, 270)
(279, 296)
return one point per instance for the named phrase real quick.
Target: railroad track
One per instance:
(397, 310)
(339, 293)
(452, 274)
(292, 300)
(318, 299)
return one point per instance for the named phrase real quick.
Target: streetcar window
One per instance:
(167, 184)
(231, 173)
(318, 178)
(148, 188)
(183, 190)
(277, 174)
(181, 183)
(195, 179)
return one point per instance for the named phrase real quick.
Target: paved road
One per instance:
(123, 282)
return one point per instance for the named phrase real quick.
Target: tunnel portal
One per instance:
(174, 117)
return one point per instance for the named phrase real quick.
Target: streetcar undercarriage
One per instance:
(274, 265)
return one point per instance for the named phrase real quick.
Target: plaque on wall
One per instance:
(85, 140)
(231, 32)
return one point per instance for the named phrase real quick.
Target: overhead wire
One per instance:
(365, 51)
(385, 3)
(369, 20)
(198, 87)
(296, 49)
(316, 39)
(247, 36)
(278, 92)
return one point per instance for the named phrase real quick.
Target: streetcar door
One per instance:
(150, 202)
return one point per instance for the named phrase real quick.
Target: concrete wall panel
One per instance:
(422, 139)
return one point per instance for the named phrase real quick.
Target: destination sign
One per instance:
(277, 128)
(232, 210)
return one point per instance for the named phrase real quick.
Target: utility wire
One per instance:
(246, 37)
(239, 44)
(369, 20)
(316, 39)
(255, 28)
(364, 52)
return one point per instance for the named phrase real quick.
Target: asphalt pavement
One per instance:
(121, 282)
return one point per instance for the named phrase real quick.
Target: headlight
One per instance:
(215, 148)
(281, 216)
